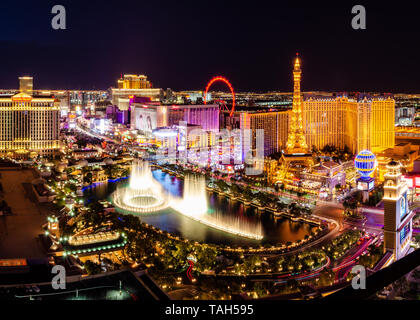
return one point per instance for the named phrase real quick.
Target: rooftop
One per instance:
(116, 285)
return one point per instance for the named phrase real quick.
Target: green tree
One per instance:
(88, 178)
(92, 267)
(96, 207)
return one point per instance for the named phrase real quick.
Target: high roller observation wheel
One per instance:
(226, 81)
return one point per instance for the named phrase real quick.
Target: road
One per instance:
(95, 135)
(347, 264)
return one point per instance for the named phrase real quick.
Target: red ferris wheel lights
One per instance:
(226, 81)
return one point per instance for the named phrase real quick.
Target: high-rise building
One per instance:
(274, 124)
(26, 84)
(383, 124)
(359, 124)
(397, 215)
(133, 81)
(29, 123)
(148, 116)
(131, 86)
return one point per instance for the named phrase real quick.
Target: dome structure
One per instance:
(365, 163)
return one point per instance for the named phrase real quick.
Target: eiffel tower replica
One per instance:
(297, 155)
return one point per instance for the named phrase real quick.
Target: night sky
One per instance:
(182, 44)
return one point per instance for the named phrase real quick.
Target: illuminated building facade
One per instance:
(397, 215)
(383, 123)
(123, 97)
(405, 115)
(323, 178)
(26, 85)
(405, 153)
(193, 96)
(362, 124)
(412, 179)
(29, 123)
(133, 81)
(131, 86)
(325, 122)
(148, 116)
(275, 126)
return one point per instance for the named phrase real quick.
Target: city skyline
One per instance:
(206, 151)
(95, 48)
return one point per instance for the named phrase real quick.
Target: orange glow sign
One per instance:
(22, 99)
(12, 262)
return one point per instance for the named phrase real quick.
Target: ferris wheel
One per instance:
(221, 102)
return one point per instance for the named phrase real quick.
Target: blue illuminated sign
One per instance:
(403, 206)
(404, 233)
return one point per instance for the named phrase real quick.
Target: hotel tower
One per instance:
(29, 124)
(359, 123)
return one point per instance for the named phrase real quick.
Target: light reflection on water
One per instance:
(280, 231)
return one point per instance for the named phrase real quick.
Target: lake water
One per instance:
(276, 231)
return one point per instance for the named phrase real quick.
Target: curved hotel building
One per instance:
(29, 124)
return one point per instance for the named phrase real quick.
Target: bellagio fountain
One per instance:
(193, 204)
(145, 195)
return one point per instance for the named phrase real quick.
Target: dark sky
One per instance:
(182, 44)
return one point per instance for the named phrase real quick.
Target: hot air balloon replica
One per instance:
(365, 164)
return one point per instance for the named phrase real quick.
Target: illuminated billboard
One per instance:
(403, 202)
(404, 232)
(362, 185)
(145, 119)
(365, 184)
